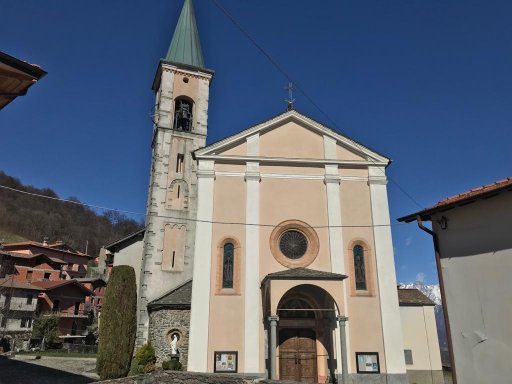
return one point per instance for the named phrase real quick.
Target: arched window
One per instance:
(227, 265)
(183, 115)
(359, 267)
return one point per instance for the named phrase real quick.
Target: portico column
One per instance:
(273, 345)
(342, 320)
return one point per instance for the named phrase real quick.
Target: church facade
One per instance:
(268, 253)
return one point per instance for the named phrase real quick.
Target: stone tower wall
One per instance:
(166, 225)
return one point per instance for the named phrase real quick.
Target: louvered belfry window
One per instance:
(227, 265)
(359, 267)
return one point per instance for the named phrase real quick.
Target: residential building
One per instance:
(16, 77)
(75, 262)
(30, 267)
(96, 285)
(18, 302)
(473, 252)
(421, 344)
(45, 281)
(67, 299)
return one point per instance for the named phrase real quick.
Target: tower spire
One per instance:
(185, 46)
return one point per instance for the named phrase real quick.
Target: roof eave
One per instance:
(29, 69)
(324, 278)
(417, 304)
(427, 214)
(159, 306)
(124, 239)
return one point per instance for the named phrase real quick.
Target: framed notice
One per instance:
(226, 362)
(367, 362)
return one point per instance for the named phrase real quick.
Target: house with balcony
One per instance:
(18, 303)
(44, 281)
(75, 261)
(30, 267)
(98, 286)
(70, 301)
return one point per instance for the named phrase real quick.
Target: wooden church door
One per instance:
(297, 355)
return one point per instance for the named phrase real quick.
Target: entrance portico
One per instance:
(302, 309)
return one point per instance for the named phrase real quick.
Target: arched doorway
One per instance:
(306, 322)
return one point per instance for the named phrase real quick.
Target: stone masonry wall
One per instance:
(176, 377)
(163, 324)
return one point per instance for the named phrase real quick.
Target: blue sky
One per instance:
(425, 82)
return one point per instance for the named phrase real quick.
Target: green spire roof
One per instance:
(185, 46)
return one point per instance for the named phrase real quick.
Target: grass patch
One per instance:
(59, 354)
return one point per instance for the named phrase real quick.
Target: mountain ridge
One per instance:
(24, 216)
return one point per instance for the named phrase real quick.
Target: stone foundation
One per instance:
(163, 323)
(18, 339)
(175, 377)
(381, 378)
(425, 377)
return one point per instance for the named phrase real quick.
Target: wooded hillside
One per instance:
(34, 218)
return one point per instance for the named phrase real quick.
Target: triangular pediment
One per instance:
(292, 135)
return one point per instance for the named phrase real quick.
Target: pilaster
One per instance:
(391, 322)
(200, 312)
(252, 266)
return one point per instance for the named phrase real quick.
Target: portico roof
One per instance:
(179, 297)
(302, 273)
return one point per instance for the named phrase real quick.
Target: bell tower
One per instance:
(181, 86)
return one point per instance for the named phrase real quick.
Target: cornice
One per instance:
(295, 161)
(377, 180)
(193, 74)
(332, 179)
(291, 176)
(252, 176)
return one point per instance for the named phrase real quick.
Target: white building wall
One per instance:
(476, 259)
(420, 336)
(132, 256)
(18, 308)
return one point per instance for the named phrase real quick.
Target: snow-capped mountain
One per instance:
(431, 291)
(434, 293)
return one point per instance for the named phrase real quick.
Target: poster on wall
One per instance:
(367, 362)
(226, 362)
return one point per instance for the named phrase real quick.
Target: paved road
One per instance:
(47, 370)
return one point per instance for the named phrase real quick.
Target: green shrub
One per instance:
(146, 354)
(135, 368)
(118, 324)
(172, 365)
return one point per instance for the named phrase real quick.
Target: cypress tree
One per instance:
(117, 324)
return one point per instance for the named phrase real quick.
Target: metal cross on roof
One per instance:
(290, 99)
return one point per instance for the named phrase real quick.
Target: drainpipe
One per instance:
(443, 296)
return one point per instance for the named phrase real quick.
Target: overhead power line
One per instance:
(179, 219)
(297, 86)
